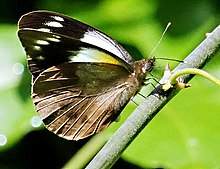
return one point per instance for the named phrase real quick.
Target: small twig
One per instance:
(173, 80)
(196, 72)
(112, 150)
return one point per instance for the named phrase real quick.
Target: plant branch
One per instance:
(112, 150)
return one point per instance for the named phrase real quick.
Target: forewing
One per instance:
(50, 38)
(76, 100)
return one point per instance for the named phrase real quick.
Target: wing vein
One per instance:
(58, 117)
(101, 114)
(56, 101)
(93, 113)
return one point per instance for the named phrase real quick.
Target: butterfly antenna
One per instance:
(176, 60)
(168, 25)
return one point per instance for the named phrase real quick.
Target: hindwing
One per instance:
(76, 100)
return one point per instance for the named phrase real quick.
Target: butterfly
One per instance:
(81, 78)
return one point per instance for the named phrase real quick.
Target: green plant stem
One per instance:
(112, 150)
(193, 71)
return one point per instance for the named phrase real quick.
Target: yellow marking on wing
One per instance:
(94, 55)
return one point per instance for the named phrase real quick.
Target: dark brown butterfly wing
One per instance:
(50, 39)
(76, 100)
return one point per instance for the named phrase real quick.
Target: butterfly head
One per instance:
(144, 66)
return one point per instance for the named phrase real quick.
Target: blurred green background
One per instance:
(185, 134)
